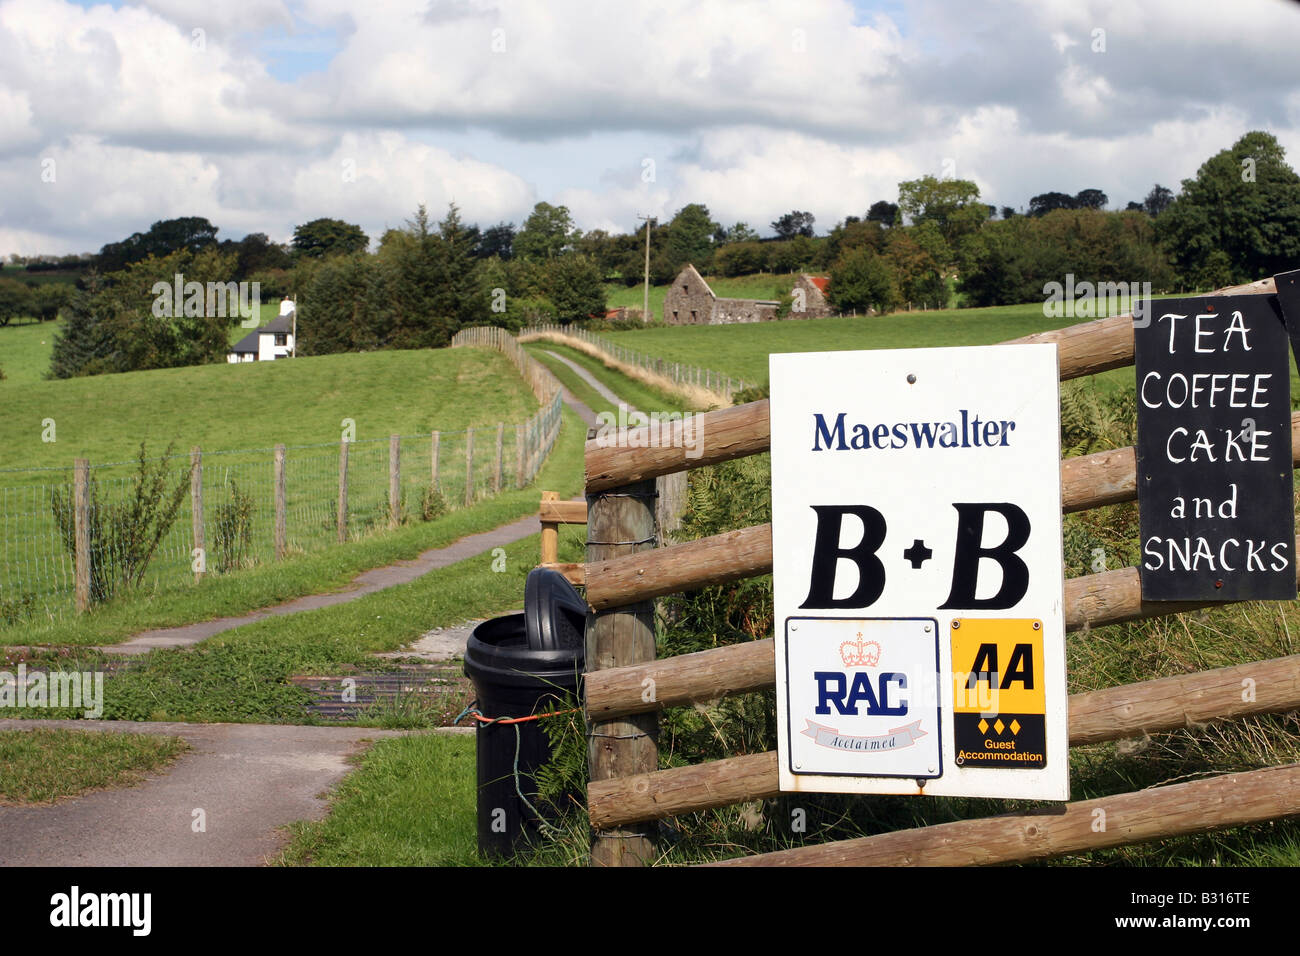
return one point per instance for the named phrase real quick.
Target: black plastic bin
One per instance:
(521, 664)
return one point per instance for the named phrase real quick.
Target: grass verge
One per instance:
(40, 766)
(410, 802)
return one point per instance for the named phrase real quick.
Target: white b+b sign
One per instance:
(916, 532)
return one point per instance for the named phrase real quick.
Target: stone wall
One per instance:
(689, 301)
(814, 302)
(737, 311)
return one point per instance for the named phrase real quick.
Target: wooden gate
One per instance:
(625, 687)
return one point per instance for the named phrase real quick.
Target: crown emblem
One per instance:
(859, 653)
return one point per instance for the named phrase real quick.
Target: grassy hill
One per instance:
(25, 353)
(257, 405)
(237, 413)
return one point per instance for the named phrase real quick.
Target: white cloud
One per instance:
(757, 108)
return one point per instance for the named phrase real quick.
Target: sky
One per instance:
(264, 114)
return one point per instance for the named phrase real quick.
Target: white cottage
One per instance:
(272, 341)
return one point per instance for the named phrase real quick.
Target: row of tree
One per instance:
(1237, 220)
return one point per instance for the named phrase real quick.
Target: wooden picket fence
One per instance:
(625, 687)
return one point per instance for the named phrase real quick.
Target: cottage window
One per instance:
(281, 338)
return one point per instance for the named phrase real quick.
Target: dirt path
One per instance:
(591, 380)
(248, 779)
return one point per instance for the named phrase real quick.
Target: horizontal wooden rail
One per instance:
(1228, 800)
(681, 567)
(572, 570)
(1083, 349)
(1088, 481)
(1114, 713)
(713, 437)
(1090, 601)
(563, 512)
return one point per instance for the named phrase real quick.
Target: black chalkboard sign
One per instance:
(1288, 296)
(1214, 450)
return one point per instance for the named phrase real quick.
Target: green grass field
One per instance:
(25, 353)
(41, 766)
(237, 413)
(742, 350)
(258, 404)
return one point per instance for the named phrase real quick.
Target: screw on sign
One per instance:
(911, 487)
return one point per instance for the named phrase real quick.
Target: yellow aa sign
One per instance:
(999, 697)
(997, 666)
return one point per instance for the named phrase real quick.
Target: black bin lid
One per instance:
(555, 615)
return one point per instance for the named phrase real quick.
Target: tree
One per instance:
(337, 299)
(951, 204)
(793, 224)
(82, 345)
(15, 301)
(918, 273)
(48, 299)
(328, 237)
(191, 233)
(546, 233)
(1245, 202)
(883, 212)
(862, 279)
(1091, 199)
(256, 252)
(1157, 201)
(1007, 212)
(1044, 203)
(496, 241)
(740, 232)
(575, 287)
(690, 235)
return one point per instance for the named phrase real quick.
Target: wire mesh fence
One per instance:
(217, 512)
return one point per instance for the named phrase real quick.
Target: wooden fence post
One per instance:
(196, 510)
(469, 467)
(550, 534)
(496, 472)
(519, 456)
(81, 524)
(342, 518)
(281, 536)
(394, 481)
(621, 521)
(433, 461)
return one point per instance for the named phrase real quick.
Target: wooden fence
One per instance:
(720, 385)
(625, 572)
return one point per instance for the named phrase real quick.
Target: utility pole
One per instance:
(645, 304)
